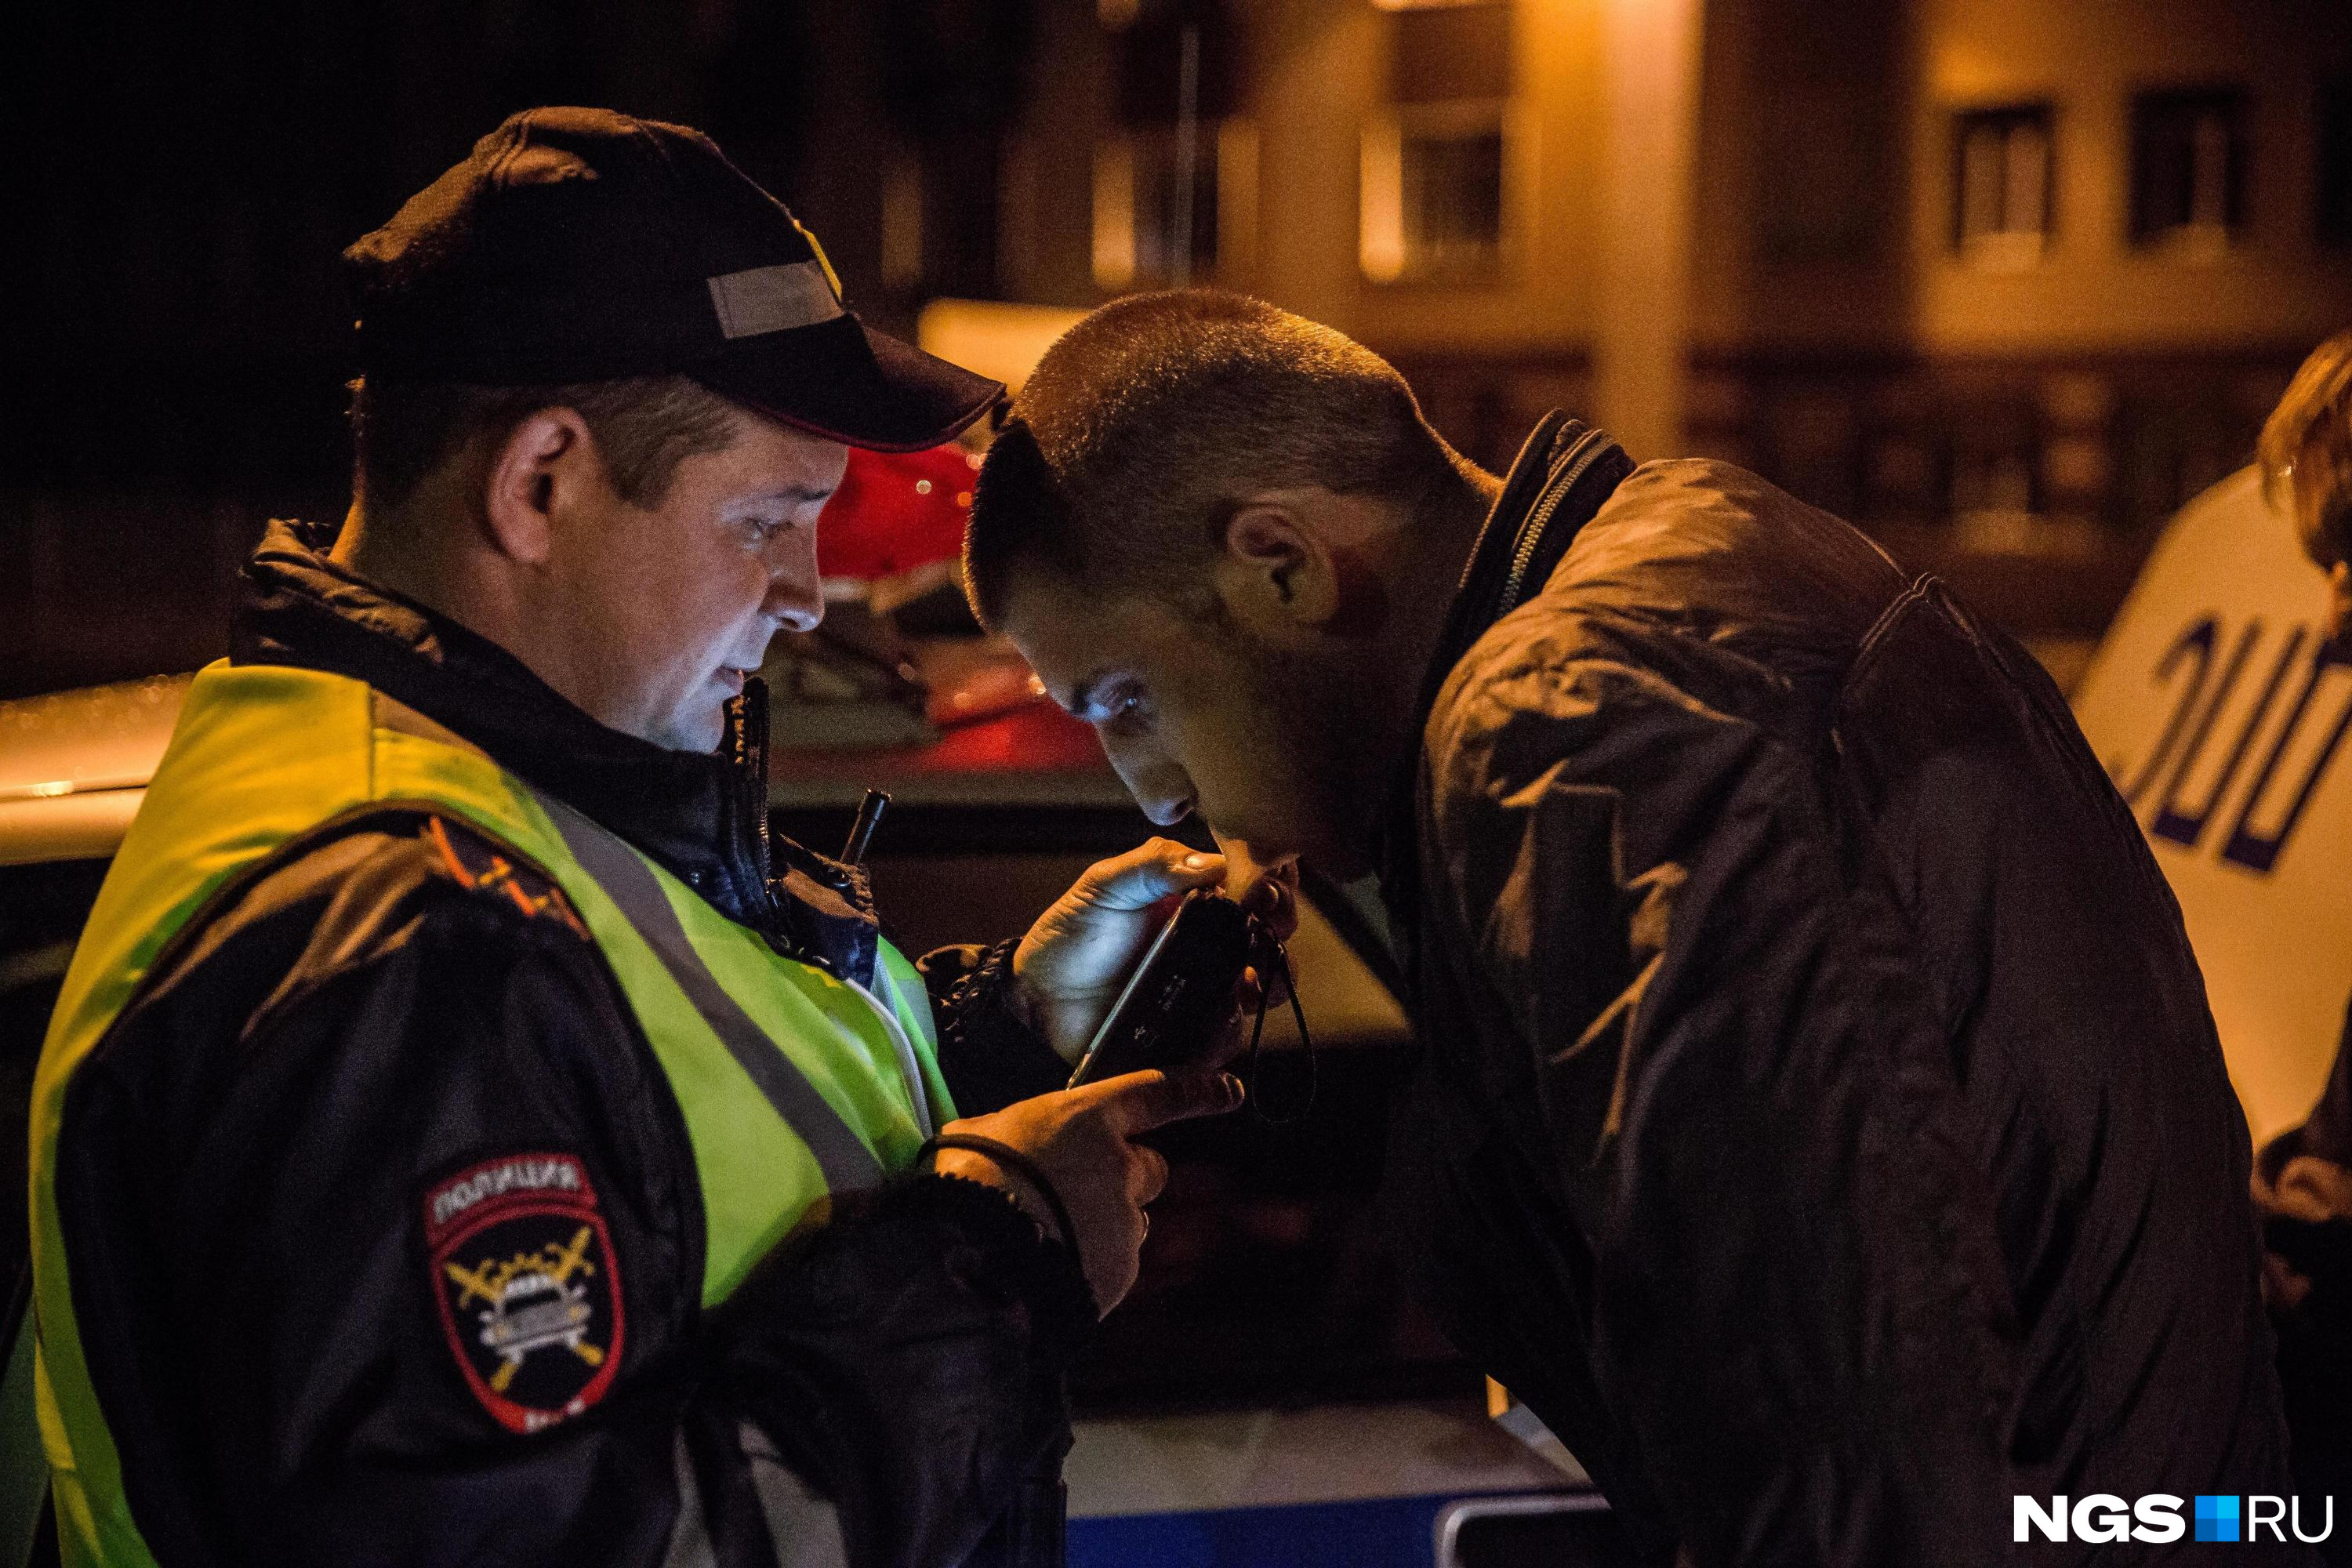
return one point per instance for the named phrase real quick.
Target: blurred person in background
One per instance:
(465, 1136)
(2303, 1178)
(1818, 1122)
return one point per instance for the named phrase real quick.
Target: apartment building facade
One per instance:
(2005, 281)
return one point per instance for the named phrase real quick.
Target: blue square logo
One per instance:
(2217, 1519)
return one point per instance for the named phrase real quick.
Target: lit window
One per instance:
(2001, 185)
(2188, 168)
(1432, 193)
(1144, 226)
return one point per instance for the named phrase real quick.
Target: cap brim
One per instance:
(844, 380)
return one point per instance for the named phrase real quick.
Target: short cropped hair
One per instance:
(1151, 421)
(2307, 447)
(644, 426)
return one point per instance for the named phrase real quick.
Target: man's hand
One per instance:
(1247, 876)
(1268, 889)
(1083, 1140)
(1070, 966)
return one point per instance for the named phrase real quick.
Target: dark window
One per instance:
(2335, 214)
(2188, 166)
(2001, 169)
(1169, 219)
(902, 223)
(1452, 198)
(1144, 222)
(1432, 192)
(1160, 192)
(1149, 56)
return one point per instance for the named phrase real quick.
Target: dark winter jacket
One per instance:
(1820, 1124)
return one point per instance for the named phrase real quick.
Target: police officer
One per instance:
(463, 1134)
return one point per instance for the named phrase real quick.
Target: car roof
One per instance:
(74, 765)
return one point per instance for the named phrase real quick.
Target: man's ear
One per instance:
(1275, 568)
(547, 454)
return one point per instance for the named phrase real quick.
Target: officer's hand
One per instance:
(1083, 1140)
(1070, 966)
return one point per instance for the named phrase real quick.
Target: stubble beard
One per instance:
(1331, 734)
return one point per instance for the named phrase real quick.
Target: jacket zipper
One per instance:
(1580, 457)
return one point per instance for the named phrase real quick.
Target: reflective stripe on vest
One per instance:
(794, 1085)
(626, 878)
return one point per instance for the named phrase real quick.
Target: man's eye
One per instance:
(762, 530)
(1124, 710)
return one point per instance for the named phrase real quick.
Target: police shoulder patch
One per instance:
(529, 1289)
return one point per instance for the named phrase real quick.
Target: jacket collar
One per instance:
(702, 817)
(1564, 472)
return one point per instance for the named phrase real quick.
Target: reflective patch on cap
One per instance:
(773, 299)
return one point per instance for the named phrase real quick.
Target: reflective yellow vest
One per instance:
(794, 1084)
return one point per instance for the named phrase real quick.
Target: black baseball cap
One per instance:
(582, 245)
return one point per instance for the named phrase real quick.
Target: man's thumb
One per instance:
(1149, 873)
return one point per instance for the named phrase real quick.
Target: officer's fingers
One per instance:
(1110, 1273)
(1138, 1102)
(1147, 874)
(1147, 1175)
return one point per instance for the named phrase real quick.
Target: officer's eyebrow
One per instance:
(796, 493)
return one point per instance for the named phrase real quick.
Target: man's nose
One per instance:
(1167, 811)
(1163, 792)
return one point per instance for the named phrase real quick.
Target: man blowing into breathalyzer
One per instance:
(1817, 1118)
(465, 1136)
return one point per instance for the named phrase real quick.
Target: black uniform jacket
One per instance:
(245, 1156)
(1821, 1123)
